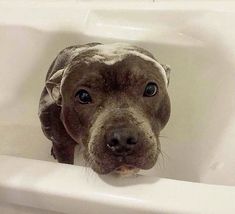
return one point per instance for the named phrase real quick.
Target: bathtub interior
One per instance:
(197, 143)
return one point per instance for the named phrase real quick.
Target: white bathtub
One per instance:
(196, 173)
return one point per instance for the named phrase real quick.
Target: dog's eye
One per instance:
(83, 96)
(150, 90)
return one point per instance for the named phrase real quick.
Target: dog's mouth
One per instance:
(126, 170)
(106, 163)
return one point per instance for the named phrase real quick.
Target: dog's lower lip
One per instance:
(126, 166)
(126, 170)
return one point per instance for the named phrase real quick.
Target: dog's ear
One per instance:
(167, 69)
(53, 86)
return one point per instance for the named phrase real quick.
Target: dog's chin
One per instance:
(125, 171)
(122, 166)
(126, 168)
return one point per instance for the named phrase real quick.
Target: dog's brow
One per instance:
(92, 80)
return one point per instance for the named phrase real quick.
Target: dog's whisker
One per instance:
(159, 165)
(164, 156)
(88, 164)
(165, 137)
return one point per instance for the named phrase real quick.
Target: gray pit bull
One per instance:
(112, 99)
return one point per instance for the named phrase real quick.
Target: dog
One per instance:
(113, 99)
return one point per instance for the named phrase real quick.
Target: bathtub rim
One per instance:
(26, 182)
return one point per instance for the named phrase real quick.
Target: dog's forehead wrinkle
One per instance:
(112, 53)
(92, 80)
(123, 80)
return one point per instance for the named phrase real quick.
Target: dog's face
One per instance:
(116, 110)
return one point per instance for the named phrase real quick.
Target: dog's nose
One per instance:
(122, 141)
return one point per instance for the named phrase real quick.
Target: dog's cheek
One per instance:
(96, 146)
(162, 114)
(150, 156)
(74, 123)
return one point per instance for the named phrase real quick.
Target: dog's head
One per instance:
(114, 100)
